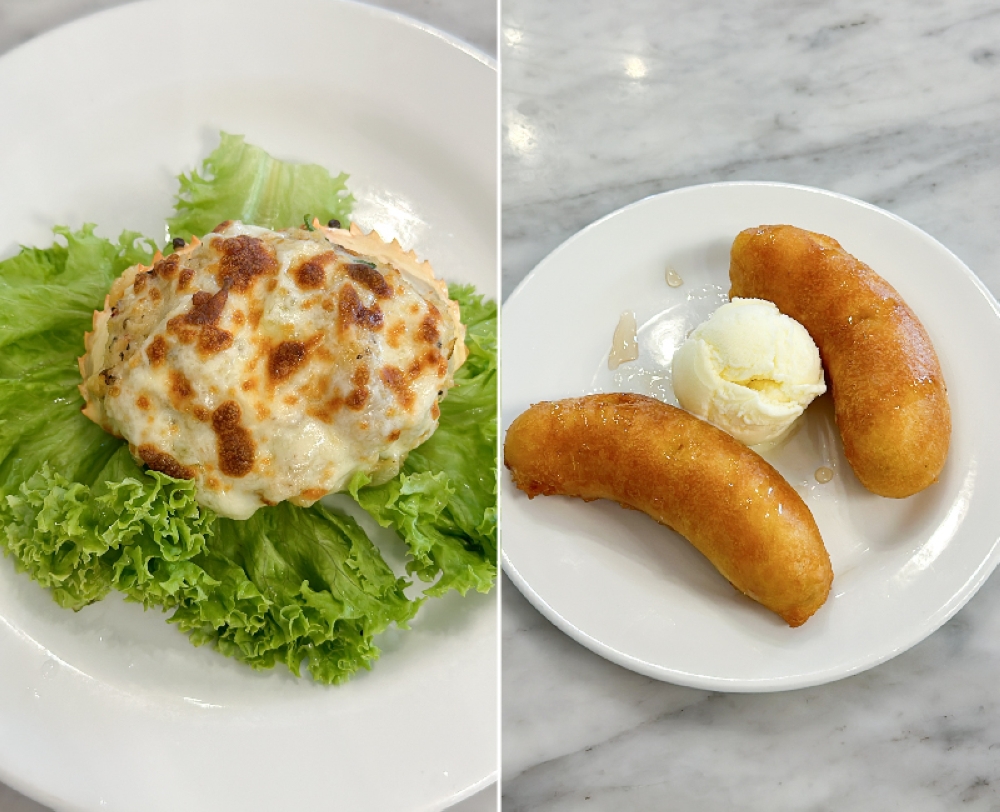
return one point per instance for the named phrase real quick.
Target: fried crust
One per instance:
(686, 474)
(888, 391)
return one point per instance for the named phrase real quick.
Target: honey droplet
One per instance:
(823, 474)
(624, 345)
(674, 278)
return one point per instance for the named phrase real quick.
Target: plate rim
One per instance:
(400, 17)
(941, 616)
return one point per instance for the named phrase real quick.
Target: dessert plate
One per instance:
(640, 595)
(111, 708)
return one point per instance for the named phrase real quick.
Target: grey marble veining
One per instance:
(472, 21)
(921, 732)
(895, 103)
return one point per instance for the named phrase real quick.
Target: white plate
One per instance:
(639, 594)
(111, 708)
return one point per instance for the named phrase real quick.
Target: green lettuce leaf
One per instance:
(290, 585)
(77, 513)
(443, 503)
(239, 181)
(58, 288)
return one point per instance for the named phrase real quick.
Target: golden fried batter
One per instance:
(687, 474)
(888, 391)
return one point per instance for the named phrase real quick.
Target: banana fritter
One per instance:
(889, 394)
(686, 474)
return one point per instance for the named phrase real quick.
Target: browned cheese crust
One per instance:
(272, 365)
(686, 474)
(889, 395)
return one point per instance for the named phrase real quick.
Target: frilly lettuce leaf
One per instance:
(240, 181)
(77, 513)
(57, 288)
(290, 585)
(443, 503)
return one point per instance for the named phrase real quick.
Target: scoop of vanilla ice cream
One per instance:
(749, 369)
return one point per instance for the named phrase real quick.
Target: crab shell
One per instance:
(392, 253)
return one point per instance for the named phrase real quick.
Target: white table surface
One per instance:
(896, 103)
(473, 21)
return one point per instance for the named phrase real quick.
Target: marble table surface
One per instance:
(474, 21)
(896, 103)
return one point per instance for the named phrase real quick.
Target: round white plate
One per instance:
(111, 708)
(640, 595)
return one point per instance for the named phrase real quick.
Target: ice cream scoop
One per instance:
(748, 369)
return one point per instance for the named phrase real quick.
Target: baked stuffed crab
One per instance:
(272, 365)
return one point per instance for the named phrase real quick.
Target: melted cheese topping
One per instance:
(273, 365)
